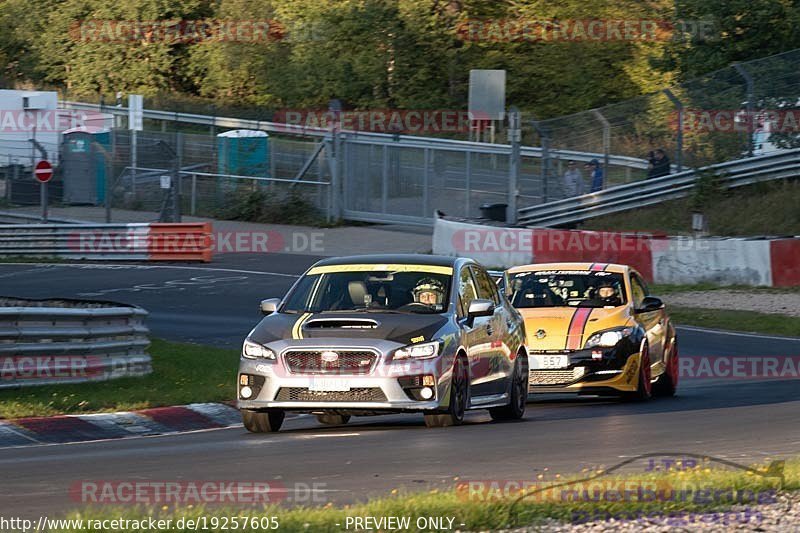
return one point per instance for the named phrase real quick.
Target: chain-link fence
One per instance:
(747, 109)
(181, 164)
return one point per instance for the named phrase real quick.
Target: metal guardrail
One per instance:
(115, 242)
(406, 141)
(732, 174)
(47, 342)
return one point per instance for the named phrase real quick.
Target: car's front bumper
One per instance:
(615, 373)
(388, 387)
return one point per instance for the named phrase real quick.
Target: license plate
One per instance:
(539, 362)
(329, 385)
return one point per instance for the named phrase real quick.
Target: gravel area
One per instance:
(784, 303)
(782, 516)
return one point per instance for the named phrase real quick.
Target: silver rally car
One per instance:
(377, 334)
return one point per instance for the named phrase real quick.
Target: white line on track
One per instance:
(117, 266)
(739, 334)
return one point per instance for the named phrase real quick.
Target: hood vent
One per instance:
(341, 323)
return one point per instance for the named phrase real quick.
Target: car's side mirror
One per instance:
(650, 304)
(480, 307)
(270, 305)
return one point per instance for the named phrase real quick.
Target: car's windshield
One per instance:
(424, 291)
(566, 288)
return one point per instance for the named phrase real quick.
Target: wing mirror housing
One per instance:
(650, 304)
(270, 305)
(480, 307)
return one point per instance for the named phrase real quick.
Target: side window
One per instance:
(466, 290)
(638, 290)
(486, 286)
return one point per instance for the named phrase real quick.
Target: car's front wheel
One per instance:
(262, 422)
(519, 393)
(459, 398)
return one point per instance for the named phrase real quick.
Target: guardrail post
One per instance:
(606, 141)
(177, 173)
(515, 137)
(750, 96)
(679, 136)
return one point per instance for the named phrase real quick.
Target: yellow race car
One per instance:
(593, 329)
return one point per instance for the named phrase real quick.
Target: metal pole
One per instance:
(108, 170)
(177, 180)
(606, 141)
(133, 162)
(385, 179)
(545, 140)
(679, 137)
(468, 184)
(194, 194)
(750, 96)
(515, 138)
(426, 157)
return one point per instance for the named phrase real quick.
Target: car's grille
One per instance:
(301, 394)
(554, 377)
(345, 362)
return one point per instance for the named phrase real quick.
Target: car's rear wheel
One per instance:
(459, 398)
(333, 420)
(262, 421)
(644, 388)
(519, 393)
(667, 383)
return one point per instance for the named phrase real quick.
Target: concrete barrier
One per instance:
(659, 258)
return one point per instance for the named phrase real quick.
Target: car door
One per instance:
(477, 334)
(652, 321)
(499, 362)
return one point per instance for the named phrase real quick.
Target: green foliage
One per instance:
(707, 189)
(271, 208)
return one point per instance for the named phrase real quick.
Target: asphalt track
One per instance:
(735, 419)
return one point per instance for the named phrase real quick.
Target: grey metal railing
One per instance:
(46, 342)
(781, 165)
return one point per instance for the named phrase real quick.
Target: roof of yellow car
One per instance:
(608, 267)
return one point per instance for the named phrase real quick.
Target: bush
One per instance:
(271, 208)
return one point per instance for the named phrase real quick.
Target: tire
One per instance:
(519, 393)
(262, 422)
(333, 420)
(667, 383)
(644, 388)
(459, 398)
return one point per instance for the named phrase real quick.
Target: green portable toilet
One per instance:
(83, 164)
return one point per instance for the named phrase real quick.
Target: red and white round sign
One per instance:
(43, 171)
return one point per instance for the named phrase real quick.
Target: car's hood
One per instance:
(404, 328)
(568, 328)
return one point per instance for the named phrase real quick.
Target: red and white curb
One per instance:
(102, 426)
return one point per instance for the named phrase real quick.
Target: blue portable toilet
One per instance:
(83, 164)
(243, 153)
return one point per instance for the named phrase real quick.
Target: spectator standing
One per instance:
(573, 180)
(659, 164)
(595, 175)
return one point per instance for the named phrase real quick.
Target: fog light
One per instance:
(246, 392)
(426, 393)
(597, 354)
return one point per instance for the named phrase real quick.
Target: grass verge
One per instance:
(746, 321)
(705, 490)
(182, 373)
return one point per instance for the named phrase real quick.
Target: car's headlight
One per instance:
(418, 351)
(253, 350)
(608, 339)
